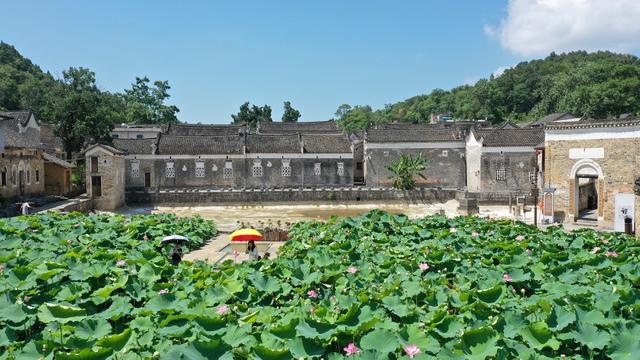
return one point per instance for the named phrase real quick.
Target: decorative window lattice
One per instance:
(533, 177)
(227, 172)
(286, 168)
(257, 170)
(340, 169)
(170, 170)
(135, 169)
(501, 174)
(199, 169)
(445, 153)
(317, 169)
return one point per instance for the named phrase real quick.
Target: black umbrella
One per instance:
(174, 239)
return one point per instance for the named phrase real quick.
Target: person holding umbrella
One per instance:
(252, 250)
(251, 236)
(176, 253)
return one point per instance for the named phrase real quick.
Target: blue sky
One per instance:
(318, 55)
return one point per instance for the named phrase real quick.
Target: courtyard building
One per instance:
(21, 158)
(591, 167)
(444, 149)
(132, 131)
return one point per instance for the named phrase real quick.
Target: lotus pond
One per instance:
(377, 286)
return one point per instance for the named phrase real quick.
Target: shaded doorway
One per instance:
(587, 198)
(96, 186)
(147, 179)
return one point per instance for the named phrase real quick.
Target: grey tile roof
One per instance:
(106, 147)
(20, 115)
(200, 145)
(302, 127)
(273, 144)
(594, 123)
(549, 118)
(205, 129)
(424, 136)
(331, 144)
(52, 159)
(510, 137)
(135, 146)
(11, 122)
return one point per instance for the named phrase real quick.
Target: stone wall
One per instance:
(112, 176)
(203, 197)
(302, 173)
(24, 173)
(620, 165)
(446, 166)
(517, 166)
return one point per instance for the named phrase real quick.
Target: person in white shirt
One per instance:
(25, 208)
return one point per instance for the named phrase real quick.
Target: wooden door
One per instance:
(96, 186)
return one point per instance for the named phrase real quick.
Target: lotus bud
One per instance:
(522, 291)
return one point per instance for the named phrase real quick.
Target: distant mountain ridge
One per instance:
(601, 84)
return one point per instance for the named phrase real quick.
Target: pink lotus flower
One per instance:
(352, 269)
(605, 241)
(145, 237)
(312, 294)
(424, 266)
(506, 277)
(163, 291)
(611, 254)
(529, 252)
(595, 250)
(475, 234)
(351, 349)
(520, 237)
(312, 310)
(453, 230)
(121, 263)
(411, 351)
(222, 310)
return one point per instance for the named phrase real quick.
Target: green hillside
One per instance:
(597, 84)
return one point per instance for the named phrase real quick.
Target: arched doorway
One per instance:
(586, 191)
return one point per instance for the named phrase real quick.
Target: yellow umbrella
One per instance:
(246, 235)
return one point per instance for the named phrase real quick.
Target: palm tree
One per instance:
(404, 170)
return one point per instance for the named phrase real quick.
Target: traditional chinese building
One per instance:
(590, 170)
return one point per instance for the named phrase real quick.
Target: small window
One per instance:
(533, 177)
(170, 170)
(139, 136)
(501, 174)
(29, 175)
(3, 177)
(340, 169)
(37, 176)
(445, 153)
(317, 169)
(227, 172)
(286, 168)
(94, 164)
(257, 169)
(385, 154)
(359, 165)
(115, 136)
(199, 169)
(135, 169)
(14, 177)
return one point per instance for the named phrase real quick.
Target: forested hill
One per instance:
(591, 84)
(74, 104)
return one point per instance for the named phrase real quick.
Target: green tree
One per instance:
(353, 118)
(405, 169)
(251, 115)
(78, 111)
(145, 103)
(290, 114)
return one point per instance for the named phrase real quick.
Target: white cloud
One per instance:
(500, 70)
(537, 27)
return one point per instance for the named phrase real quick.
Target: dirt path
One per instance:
(215, 251)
